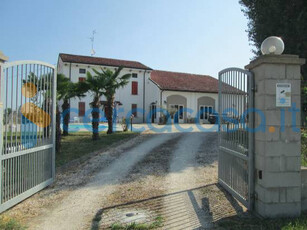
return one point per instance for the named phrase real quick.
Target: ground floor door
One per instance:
(176, 112)
(205, 111)
(153, 109)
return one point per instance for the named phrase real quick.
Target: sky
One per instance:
(193, 36)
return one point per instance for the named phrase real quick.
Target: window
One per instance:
(81, 79)
(173, 110)
(134, 109)
(176, 111)
(81, 109)
(134, 89)
(135, 75)
(153, 112)
(82, 70)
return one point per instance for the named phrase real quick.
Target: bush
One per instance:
(124, 124)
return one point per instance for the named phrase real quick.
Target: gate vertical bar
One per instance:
(219, 121)
(1, 127)
(54, 120)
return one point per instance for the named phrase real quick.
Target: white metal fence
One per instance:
(27, 128)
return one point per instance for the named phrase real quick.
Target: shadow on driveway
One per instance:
(197, 208)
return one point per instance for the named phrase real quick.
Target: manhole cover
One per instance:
(130, 214)
(134, 216)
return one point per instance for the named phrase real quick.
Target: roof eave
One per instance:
(76, 62)
(189, 91)
(156, 84)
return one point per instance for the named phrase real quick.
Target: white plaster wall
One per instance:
(124, 95)
(192, 98)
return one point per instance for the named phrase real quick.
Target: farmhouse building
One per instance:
(147, 92)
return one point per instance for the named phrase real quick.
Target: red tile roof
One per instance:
(184, 81)
(101, 61)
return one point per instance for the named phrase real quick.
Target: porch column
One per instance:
(278, 141)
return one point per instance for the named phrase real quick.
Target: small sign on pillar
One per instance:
(283, 94)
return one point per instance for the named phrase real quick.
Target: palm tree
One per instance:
(96, 85)
(113, 82)
(104, 83)
(65, 91)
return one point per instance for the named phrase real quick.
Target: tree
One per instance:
(103, 83)
(283, 18)
(96, 85)
(113, 82)
(65, 91)
(6, 115)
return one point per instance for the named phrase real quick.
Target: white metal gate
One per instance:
(27, 126)
(236, 120)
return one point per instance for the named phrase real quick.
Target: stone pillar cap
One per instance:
(3, 58)
(276, 59)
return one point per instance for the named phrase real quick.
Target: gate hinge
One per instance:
(254, 89)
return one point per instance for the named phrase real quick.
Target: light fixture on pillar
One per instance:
(272, 45)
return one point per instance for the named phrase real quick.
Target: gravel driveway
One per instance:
(154, 175)
(77, 210)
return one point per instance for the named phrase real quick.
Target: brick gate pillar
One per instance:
(278, 138)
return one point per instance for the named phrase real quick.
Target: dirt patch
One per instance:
(219, 203)
(157, 162)
(220, 207)
(144, 212)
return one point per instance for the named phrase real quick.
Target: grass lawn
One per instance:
(236, 222)
(78, 144)
(7, 223)
(304, 147)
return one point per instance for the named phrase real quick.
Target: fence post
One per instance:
(278, 148)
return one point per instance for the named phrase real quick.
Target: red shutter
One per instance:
(134, 108)
(81, 109)
(81, 79)
(134, 88)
